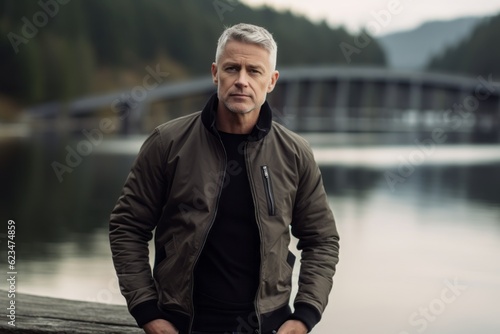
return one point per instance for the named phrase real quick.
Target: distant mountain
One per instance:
(478, 54)
(414, 48)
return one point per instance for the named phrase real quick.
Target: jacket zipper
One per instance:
(266, 176)
(252, 187)
(208, 232)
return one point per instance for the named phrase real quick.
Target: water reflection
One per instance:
(400, 249)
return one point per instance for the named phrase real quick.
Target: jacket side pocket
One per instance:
(266, 177)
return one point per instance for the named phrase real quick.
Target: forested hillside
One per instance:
(414, 48)
(478, 54)
(60, 49)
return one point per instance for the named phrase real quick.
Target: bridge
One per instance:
(317, 99)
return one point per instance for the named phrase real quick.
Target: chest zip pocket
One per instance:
(266, 177)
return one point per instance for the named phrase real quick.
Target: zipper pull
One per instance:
(266, 174)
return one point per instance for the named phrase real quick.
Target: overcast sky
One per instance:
(354, 14)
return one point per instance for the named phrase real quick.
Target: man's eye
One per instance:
(231, 69)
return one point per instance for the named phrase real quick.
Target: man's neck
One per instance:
(229, 122)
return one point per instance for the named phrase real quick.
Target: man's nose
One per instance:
(242, 78)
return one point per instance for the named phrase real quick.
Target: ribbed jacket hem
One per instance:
(273, 320)
(306, 313)
(146, 312)
(149, 311)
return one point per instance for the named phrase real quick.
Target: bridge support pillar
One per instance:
(292, 112)
(313, 109)
(340, 113)
(415, 96)
(390, 104)
(496, 124)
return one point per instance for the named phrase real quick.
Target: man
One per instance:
(222, 187)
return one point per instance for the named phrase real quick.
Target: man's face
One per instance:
(243, 77)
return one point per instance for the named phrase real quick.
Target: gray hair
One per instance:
(248, 33)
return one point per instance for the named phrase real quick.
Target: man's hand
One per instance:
(293, 327)
(160, 326)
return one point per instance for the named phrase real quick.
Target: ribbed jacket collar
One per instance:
(260, 130)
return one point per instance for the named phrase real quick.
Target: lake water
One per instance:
(420, 230)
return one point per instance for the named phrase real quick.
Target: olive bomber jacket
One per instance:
(174, 186)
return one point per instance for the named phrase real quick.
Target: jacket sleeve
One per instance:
(314, 226)
(131, 224)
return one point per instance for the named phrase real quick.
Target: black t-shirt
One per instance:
(227, 273)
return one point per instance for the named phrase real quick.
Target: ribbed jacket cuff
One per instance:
(306, 313)
(146, 311)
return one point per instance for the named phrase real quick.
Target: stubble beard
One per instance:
(239, 111)
(236, 110)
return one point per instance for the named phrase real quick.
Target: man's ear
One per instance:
(214, 74)
(274, 79)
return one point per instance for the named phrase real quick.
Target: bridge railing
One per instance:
(339, 99)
